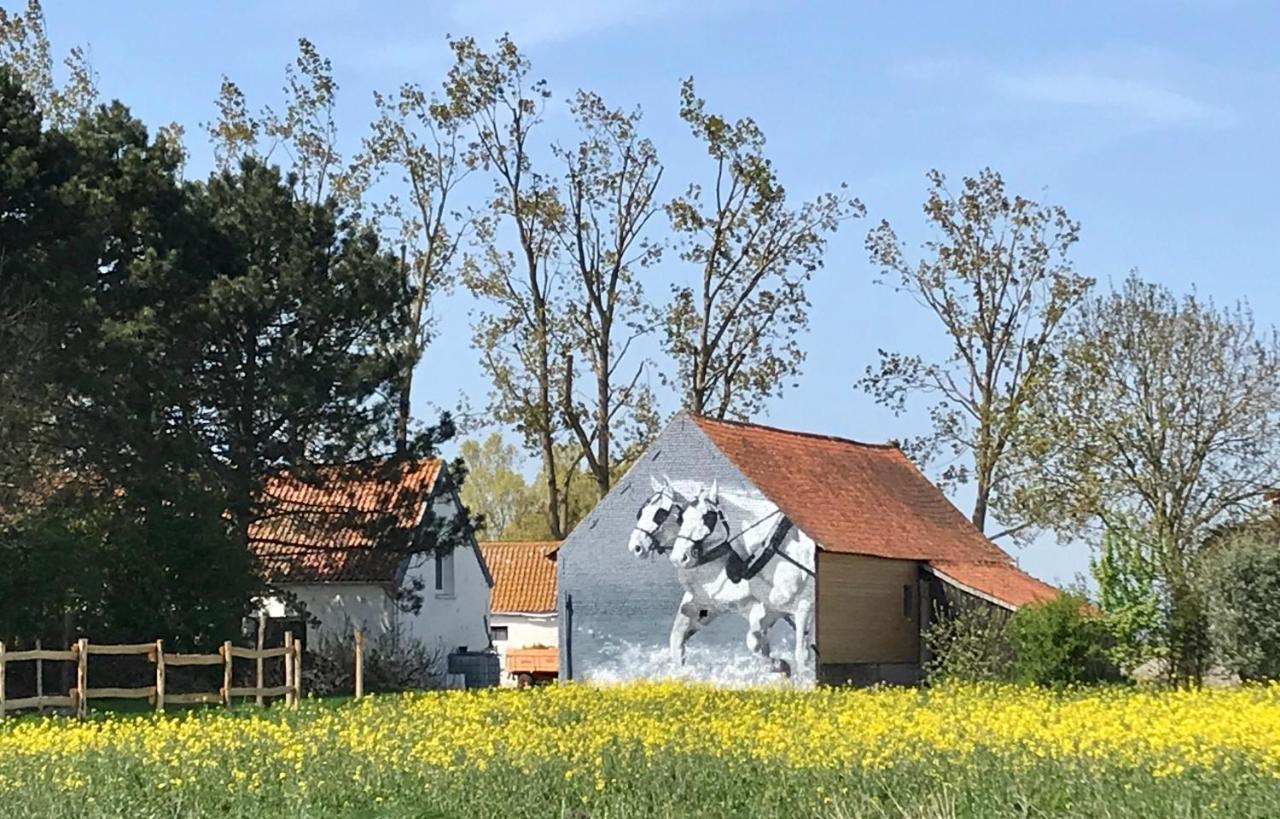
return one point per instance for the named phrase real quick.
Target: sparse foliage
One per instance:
(520, 330)
(393, 661)
(420, 137)
(733, 333)
(303, 132)
(997, 279)
(25, 48)
(611, 183)
(967, 642)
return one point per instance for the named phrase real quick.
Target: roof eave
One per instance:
(967, 589)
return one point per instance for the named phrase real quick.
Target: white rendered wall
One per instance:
(452, 617)
(366, 606)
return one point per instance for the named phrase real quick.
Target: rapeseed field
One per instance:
(667, 750)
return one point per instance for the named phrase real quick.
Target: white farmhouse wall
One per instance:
(458, 614)
(523, 630)
(341, 605)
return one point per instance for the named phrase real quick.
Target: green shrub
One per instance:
(1242, 585)
(968, 643)
(1060, 642)
(1130, 593)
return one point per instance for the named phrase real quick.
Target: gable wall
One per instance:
(339, 607)
(622, 606)
(450, 620)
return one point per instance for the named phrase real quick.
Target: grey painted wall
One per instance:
(623, 606)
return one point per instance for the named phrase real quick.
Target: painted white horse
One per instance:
(709, 591)
(775, 579)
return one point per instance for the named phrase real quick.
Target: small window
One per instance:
(444, 575)
(908, 602)
(498, 633)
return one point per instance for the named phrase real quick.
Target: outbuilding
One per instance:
(723, 531)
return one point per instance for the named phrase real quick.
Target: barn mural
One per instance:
(687, 570)
(739, 553)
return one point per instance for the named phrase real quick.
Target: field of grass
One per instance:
(667, 750)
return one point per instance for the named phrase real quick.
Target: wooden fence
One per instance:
(80, 652)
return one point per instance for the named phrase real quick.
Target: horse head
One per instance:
(702, 528)
(657, 520)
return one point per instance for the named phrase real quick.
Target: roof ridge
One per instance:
(700, 419)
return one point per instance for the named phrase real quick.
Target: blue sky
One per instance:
(1148, 121)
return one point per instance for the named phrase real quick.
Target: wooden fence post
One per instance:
(39, 679)
(2, 678)
(82, 676)
(359, 663)
(226, 673)
(297, 672)
(262, 627)
(288, 668)
(159, 676)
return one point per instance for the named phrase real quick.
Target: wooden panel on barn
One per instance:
(868, 615)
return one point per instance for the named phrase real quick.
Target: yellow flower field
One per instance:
(667, 749)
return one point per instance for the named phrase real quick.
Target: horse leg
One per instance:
(683, 627)
(758, 631)
(804, 636)
(759, 621)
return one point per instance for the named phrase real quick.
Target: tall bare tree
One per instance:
(303, 132)
(520, 332)
(611, 184)
(422, 138)
(1163, 419)
(997, 279)
(733, 333)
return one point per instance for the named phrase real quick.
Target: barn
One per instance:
(725, 540)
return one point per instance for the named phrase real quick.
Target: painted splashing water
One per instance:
(621, 661)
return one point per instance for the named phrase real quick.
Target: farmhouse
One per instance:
(726, 539)
(522, 608)
(346, 546)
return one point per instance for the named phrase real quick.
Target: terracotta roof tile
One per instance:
(524, 576)
(1002, 581)
(319, 530)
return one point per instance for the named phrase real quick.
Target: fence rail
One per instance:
(80, 652)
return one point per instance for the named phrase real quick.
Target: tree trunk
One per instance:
(403, 412)
(544, 411)
(554, 520)
(603, 400)
(980, 507)
(414, 322)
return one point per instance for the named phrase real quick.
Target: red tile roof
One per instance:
(524, 576)
(1002, 581)
(319, 530)
(859, 498)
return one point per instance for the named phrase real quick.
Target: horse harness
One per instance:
(736, 567)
